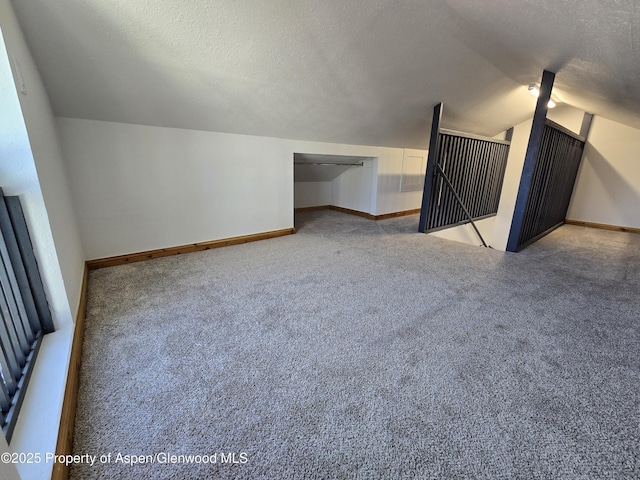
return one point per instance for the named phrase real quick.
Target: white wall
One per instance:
(515, 162)
(389, 198)
(140, 188)
(607, 188)
(466, 234)
(31, 166)
(312, 194)
(355, 188)
(567, 116)
(41, 182)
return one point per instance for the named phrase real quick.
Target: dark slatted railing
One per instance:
(24, 310)
(474, 168)
(554, 176)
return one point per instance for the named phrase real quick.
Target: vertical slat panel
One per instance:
(499, 181)
(20, 311)
(30, 264)
(15, 256)
(481, 179)
(476, 187)
(13, 301)
(541, 188)
(484, 190)
(499, 165)
(447, 205)
(8, 377)
(470, 180)
(475, 169)
(561, 166)
(5, 398)
(9, 362)
(465, 180)
(460, 172)
(456, 171)
(442, 160)
(10, 340)
(532, 214)
(552, 184)
(494, 164)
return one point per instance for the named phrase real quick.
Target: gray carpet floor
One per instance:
(363, 350)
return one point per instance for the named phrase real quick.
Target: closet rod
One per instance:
(361, 164)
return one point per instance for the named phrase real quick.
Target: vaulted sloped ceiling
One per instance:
(357, 71)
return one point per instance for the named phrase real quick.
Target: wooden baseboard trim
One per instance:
(193, 247)
(603, 226)
(311, 209)
(353, 212)
(337, 209)
(358, 213)
(404, 213)
(64, 445)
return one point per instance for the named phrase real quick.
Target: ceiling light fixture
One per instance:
(535, 91)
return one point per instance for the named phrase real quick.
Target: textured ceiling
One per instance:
(359, 71)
